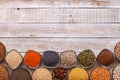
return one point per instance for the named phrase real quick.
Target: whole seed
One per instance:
(116, 72)
(59, 73)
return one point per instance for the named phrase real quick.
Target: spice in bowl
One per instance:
(78, 73)
(41, 74)
(86, 58)
(32, 59)
(117, 50)
(116, 72)
(13, 59)
(20, 74)
(59, 73)
(68, 58)
(105, 58)
(3, 72)
(100, 73)
(50, 59)
(2, 51)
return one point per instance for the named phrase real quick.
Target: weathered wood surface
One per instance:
(59, 25)
(60, 30)
(57, 3)
(59, 15)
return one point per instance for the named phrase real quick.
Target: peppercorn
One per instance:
(59, 73)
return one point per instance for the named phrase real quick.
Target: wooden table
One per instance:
(59, 25)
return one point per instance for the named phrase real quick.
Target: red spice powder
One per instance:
(105, 57)
(32, 58)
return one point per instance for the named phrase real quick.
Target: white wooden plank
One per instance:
(58, 44)
(62, 15)
(60, 30)
(57, 3)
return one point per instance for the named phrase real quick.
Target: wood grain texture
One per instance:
(57, 3)
(58, 44)
(60, 30)
(59, 15)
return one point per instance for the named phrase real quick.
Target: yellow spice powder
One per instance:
(100, 73)
(78, 74)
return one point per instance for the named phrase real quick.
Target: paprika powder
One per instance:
(32, 59)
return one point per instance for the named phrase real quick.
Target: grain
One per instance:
(116, 72)
(13, 59)
(41, 74)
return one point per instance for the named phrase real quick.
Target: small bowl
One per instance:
(110, 64)
(4, 50)
(86, 67)
(101, 67)
(54, 78)
(115, 50)
(78, 67)
(68, 66)
(16, 66)
(36, 66)
(50, 66)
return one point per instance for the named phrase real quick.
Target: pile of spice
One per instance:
(3, 72)
(100, 73)
(41, 74)
(32, 59)
(20, 74)
(2, 51)
(105, 58)
(117, 50)
(50, 58)
(68, 58)
(13, 59)
(86, 58)
(78, 73)
(116, 72)
(59, 73)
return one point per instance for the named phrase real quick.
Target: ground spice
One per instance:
(20, 74)
(13, 59)
(32, 59)
(59, 73)
(78, 73)
(41, 74)
(100, 73)
(86, 58)
(2, 51)
(105, 58)
(117, 50)
(116, 72)
(3, 72)
(50, 58)
(68, 58)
